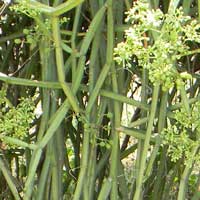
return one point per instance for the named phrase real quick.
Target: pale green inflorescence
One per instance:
(16, 121)
(158, 41)
(22, 7)
(182, 136)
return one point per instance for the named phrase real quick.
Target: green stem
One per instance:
(43, 178)
(84, 163)
(136, 133)
(15, 141)
(105, 190)
(185, 175)
(100, 81)
(163, 157)
(103, 92)
(184, 98)
(138, 122)
(199, 10)
(31, 173)
(116, 121)
(73, 42)
(9, 179)
(146, 142)
(66, 6)
(60, 65)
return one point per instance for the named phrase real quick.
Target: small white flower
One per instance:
(152, 20)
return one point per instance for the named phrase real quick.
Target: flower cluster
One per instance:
(158, 41)
(16, 121)
(184, 135)
(21, 7)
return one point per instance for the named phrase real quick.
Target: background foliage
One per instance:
(69, 70)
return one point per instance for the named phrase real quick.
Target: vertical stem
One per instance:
(185, 175)
(60, 65)
(84, 163)
(105, 190)
(140, 145)
(116, 122)
(146, 142)
(31, 174)
(56, 158)
(8, 177)
(73, 43)
(161, 168)
(184, 98)
(199, 10)
(43, 178)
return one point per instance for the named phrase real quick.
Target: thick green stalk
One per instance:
(56, 157)
(73, 42)
(103, 92)
(119, 37)
(15, 141)
(163, 157)
(55, 193)
(138, 122)
(91, 169)
(31, 173)
(122, 181)
(105, 190)
(43, 177)
(58, 117)
(184, 99)
(92, 30)
(7, 175)
(33, 83)
(185, 175)
(60, 65)
(154, 154)
(60, 114)
(146, 142)
(84, 163)
(136, 133)
(116, 96)
(117, 114)
(95, 92)
(87, 40)
(199, 10)
(66, 6)
(94, 63)
(55, 122)
(46, 63)
(93, 76)
(144, 97)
